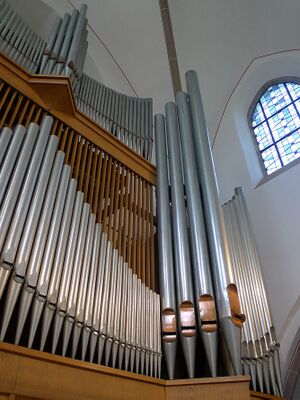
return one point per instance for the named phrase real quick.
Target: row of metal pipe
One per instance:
(127, 118)
(259, 343)
(64, 268)
(196, 276)
(64, 53)
(18, 40)
(66, 47)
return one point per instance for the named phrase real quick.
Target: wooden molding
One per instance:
(55, 94)
(262, 396)
(31, 374)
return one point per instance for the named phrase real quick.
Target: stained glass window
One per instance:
(276, 125)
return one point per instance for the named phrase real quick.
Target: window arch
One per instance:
(275, 122)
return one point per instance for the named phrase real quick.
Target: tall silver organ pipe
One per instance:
(165, 249)
(63, 251)
(204, 292)
(64, 53)
(185, 293)
(227, 300)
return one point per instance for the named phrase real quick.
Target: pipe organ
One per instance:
(77, 243)
(79, 273)
(209, 268)
(128, 118)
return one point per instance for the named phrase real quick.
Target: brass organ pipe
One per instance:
(104, 181)
(153, 282)
(139, 229)
(92, 183)
(8, 89)
(134, 224)
(148, 236)
(82, 168)
(74, 154)
(107, 194)
(65, 142)
(143, 234)
(15, 112)
(130, 220)
(78, 157)
(30, 114)
(86, 172)
(23, 112)
(97, 167)
(121, 211)
(8, 107)
(125, 234)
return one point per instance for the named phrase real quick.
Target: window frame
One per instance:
(259, 94)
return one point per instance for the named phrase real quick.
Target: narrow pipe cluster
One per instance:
(66, 48)
(259, 345)
(194, 253)
(64, 53)
(64, 268)
(127, 118)
(18, 41)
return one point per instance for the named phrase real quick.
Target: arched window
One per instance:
(275, 121)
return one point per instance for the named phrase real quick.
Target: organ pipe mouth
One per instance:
(208, 314)
(235, 307)
(187, 319)
(168, 322)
